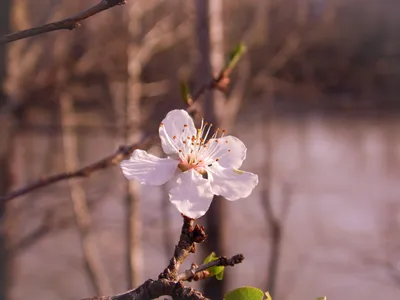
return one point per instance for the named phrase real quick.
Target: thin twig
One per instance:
(190, 235)
(68, 23)
(122, 153)
(222, 261)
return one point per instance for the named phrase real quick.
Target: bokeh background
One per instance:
(315, 99)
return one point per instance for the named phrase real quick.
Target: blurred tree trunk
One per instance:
(94, 266)
(5, 152)
(131, 134)
(210, 43)
(275, 223)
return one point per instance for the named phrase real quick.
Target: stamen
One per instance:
(197, 151)
(223, 133)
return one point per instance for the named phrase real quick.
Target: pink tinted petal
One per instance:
(191, 194)
(230, 151)
(148, 169)
(230, 183)
(172, 126)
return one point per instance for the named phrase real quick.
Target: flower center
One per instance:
(199, 151)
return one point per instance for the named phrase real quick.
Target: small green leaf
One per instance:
(217, 271)
(220, 275)
(245, 293)
(186, 93)
(321, 298)
(234, 56)
(210, 258)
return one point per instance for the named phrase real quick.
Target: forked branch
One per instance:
(169, 282)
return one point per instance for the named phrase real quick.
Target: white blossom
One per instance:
(197, 167)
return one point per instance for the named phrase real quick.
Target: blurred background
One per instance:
(315, 99)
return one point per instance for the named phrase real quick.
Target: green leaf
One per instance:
(321, 298)
(210, 258)
(217, 271)
(235, 55)
(186, 93)
(245, 293)
(220, 275)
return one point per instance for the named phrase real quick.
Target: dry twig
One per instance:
(153, 289)
(190, 235)
(68, 23)
(123, 152)
(193, 272)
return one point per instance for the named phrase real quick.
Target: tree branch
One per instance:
(68, 23)
(168, 283)
(153, 289)
(222, 261)
(190, 235)
(122, 153)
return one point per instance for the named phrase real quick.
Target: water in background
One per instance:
(343, 174)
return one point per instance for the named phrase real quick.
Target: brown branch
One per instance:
(190, 235)
(122, 153)
(153, 289)
(169, 282)
(192, 273)
(68, 23)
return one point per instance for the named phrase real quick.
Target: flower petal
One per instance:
(173, 130)
(230, 151)
(191, 194)
(230, 183)
(149, 169)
